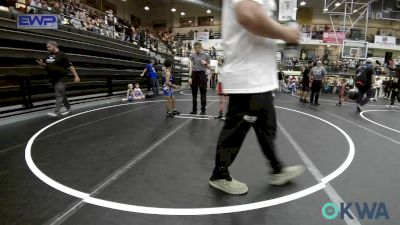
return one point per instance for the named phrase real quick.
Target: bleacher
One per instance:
(105, 65)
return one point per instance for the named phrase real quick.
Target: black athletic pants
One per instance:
(395, 94)
(315, 90)
(364, 90)
(242, 108)
(199, 81)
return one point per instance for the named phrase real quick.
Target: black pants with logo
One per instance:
(245, 111)
(199, 81)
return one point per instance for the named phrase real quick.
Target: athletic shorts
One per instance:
(168, 91)
(305, 86)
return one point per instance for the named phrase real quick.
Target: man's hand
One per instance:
(77, 79)
(40, 62)
(190, 81)
(203, 62)
(292, 35)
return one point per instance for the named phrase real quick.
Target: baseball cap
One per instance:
(369, 60)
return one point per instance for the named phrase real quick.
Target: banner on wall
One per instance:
(37, 21)
(202, 36)
(385, 40)
(330, 37)
(287, 10)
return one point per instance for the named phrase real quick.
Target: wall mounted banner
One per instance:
(37, 21)
(385, 40)
(330, 37)
(287, 10)
(202, 36)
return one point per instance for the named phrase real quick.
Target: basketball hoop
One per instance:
(354, 50)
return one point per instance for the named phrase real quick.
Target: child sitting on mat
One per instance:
(138, 93)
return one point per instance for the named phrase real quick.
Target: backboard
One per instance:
(354, 49)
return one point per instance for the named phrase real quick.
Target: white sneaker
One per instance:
(233, 187)
(51, 114)
(66, 113)
(287, 174)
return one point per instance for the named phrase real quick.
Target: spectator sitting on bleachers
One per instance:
(76, 15)
(87, 25)
(35, 5)
(103, 27)
(82, 15)
(136, 37)
(45, 6)
(74, 21)
(56, 9)
(128, 34)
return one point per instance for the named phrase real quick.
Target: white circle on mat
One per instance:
(186, 211)
(365, 118)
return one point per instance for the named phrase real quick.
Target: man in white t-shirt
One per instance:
(249, 76)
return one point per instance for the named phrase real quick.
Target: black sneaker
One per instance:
(311, 103)
(203, 113)
(175, 112)
(220, 116)
(169, 115)
(338, 104)
(301, 100)
(316, 104)
(193, 112)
